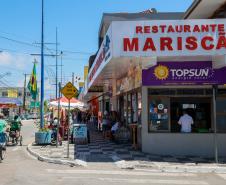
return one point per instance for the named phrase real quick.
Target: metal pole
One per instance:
(56, 63)
(215, 123)
(73, 78)
(42, 71)
(61, 53)
(58, 119)
(24, 98)
(68, 133)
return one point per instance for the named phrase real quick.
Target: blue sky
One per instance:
(78, 23)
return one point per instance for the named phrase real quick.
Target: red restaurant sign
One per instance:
(170, 38)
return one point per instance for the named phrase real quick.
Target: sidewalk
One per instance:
(53, 154)
(101, 151)
(124, 156)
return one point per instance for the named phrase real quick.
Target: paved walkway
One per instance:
(103, 150)
(54, 152)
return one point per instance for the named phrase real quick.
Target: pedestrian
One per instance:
(3, 124)
(79, 117)
(185, 121)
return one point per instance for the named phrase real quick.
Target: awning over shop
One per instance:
(74, 103)
(6, 102)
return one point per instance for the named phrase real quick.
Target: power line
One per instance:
(78, 52)
(18, 41)
(13, 34)
(49, 49)
(14, 51)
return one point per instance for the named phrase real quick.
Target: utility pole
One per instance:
(42, 71)
(73, 78)
(56, 63)
(53, 55)
(61, 54)
(24, 97)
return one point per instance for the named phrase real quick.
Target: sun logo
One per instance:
(161, 72)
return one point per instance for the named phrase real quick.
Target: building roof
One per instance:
(202, 9)
(107, 18)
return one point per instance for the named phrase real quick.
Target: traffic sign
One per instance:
(34, 104)
(69, 90)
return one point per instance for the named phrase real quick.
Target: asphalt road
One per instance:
(19, 168)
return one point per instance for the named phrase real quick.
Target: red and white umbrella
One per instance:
(64, 102)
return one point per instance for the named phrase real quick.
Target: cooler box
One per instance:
(80, 133)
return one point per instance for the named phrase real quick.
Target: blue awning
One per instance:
(14, 101)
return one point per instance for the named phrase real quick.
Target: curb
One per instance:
(52, 160)
(182, 168)
(169, 168)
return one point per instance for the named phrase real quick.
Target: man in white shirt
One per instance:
(185, 121)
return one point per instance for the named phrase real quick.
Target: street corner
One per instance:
(51, 154)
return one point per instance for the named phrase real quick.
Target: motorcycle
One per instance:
(3, 141)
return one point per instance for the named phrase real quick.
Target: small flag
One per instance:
(32, 84)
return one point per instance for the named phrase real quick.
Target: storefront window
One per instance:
(221, 114)
(158, 114)
(165, 110)
(198, 108)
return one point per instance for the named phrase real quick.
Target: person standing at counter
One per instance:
(185, 121)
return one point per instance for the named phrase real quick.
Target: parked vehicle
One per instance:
(3, 141)
(15, 136)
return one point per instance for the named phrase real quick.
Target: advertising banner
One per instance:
(169, 38)
(183, 73)
(103, 57)
(131, 81)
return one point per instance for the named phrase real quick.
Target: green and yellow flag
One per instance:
(32, 84)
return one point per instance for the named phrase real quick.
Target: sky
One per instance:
(77, 22)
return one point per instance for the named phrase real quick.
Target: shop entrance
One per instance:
(198, 108)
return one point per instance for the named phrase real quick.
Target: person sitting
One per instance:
(15, 127)
(16, 124)
(3, 136)
(105, 123)
(2, 124)
(114, 129)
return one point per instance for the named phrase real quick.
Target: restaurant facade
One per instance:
(152, 70)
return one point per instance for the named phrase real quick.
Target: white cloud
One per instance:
(5, 59)
(17, 61)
